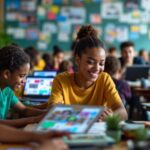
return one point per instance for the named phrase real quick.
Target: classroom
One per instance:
(74, 74)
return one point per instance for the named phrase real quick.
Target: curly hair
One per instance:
(86, 30)
(12, 58)
(86, 39)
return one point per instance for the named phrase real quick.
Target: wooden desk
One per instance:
(120, 146)
(142, 92)
(8, 146)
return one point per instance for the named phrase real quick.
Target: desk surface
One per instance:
(120, 146)
(145, 92)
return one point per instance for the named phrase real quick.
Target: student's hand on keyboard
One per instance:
(107, 112)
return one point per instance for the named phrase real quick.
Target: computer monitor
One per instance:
(136, 72)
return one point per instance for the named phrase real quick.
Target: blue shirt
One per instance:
(7, 100)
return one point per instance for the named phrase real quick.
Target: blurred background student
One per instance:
(113, 67)
(35, 58)
(112, 51)
(57, 57)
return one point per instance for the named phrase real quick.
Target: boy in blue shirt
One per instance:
(14, 67)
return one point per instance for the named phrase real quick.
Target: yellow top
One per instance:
(100, 93)
(40, 66)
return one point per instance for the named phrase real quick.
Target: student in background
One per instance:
(13, 136)
(66, 65)
(112, 51)
(48, 64)
(113, 67)
(58, 57)
(128, 55)
(89, 85)
(143, 54)
(34, 57)
(14, 67)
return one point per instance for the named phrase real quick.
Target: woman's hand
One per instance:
(107, 112)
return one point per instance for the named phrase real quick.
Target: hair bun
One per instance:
(85, 31)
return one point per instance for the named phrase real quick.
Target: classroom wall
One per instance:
(43, 23)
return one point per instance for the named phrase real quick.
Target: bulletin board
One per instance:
(45, 23)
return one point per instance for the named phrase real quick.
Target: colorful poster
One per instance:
(49, 27)
(63, 37)
(75, 15)
(95, 19)
(28, 5)
(64, 27)
(41, 13)
(12, 5)
(19, 33)
(132, 4)
(32, 34)
(122, 33)
(143, 29)
(145, 17)
(110, 33)
(145, 4)
(111, 10)
(41, 45)
(45, 36)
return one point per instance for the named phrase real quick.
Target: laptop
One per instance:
(51, 73)
(70, 118)
(37, 89)
(136, 72)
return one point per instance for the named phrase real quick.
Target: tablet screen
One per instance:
(74, 119)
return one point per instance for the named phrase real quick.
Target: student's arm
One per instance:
(22, 121)
(113, 100)
(121, 111)
(12, 135)
(118, 110)
(26, 111)
(56, 94)
(41, 106)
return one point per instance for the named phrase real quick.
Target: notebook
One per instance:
(136, 72)
(51, 73)
(37, 88)
(70, 118)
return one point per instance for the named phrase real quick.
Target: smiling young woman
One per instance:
(89, 85)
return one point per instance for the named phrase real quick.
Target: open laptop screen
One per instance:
(71, 118)
(37, 87)
(51, 73)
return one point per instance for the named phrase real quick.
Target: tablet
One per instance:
(70, 118)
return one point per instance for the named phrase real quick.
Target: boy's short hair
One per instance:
(12, 58)
(112, 65)
(126, 44)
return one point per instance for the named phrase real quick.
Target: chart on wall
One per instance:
(45, 23)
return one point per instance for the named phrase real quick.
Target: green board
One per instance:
(138, 31)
